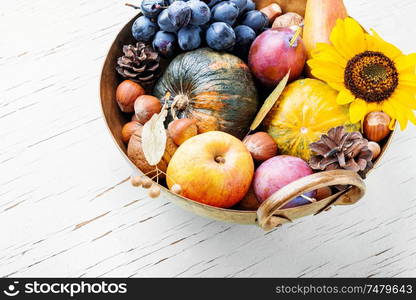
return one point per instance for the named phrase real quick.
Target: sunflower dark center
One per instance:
(371, 76)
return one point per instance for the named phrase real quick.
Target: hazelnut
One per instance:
(375, 148)
(145, 107)
(261, 146)
(127, 92)
(376, 126)
(128, 129)
(182, 129)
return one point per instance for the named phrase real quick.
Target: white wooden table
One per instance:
(67, 208)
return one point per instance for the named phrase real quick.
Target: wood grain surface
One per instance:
(67, 208)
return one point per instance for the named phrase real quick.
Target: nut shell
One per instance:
(136, 155)
(287, 20)
(145, 107)
(261, 146)
(127, 92)
(376, 126)
(182, 129)
(128, 129)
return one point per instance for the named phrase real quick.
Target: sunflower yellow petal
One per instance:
(330, 68)
(345, 97)
(376, 43)
(373, 106)
(335, 84)
(355, 36)
(388, 109)
(358, 110)
(405, 98)
(411, 116)
(328, 52)
(405, 62)
(409, 89)
(401, 114)
(407, 79)
(338, 39)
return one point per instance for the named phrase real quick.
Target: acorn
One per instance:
(182, 129)
(145, 107)
(375, 148)
(376, 126)
(154, 191)
(127, 92)
(128, 129)
(261, 146)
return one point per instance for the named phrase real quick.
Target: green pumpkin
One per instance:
(214, 88)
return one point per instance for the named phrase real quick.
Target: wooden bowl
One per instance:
(269, 214)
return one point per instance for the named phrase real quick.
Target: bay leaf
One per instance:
(154, 137)
(269, 102)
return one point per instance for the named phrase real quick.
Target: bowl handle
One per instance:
(269, 214)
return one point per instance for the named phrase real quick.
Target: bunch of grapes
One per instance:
(230, 25)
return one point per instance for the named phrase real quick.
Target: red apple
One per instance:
(271, 56)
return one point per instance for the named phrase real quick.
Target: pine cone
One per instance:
(341, 150)
(139, 63)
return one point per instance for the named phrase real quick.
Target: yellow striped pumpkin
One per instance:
(306, 109)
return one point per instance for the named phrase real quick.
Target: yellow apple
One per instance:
(214, 168)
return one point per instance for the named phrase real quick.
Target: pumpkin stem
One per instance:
(180, 102)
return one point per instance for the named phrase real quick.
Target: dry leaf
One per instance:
(154, 137)
(269, 102)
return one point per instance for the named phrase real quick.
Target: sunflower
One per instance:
(369, 73)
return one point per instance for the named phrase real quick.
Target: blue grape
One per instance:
(211, 3)
(201, 13)
(244, 35)
(226, 12)
(164, 22)
(241, 4)
(250, 5)
(189, 37)
(179, 13)
(151, 8)
(220, 36)
(143, 29)
(165, 43)
(256, 20)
